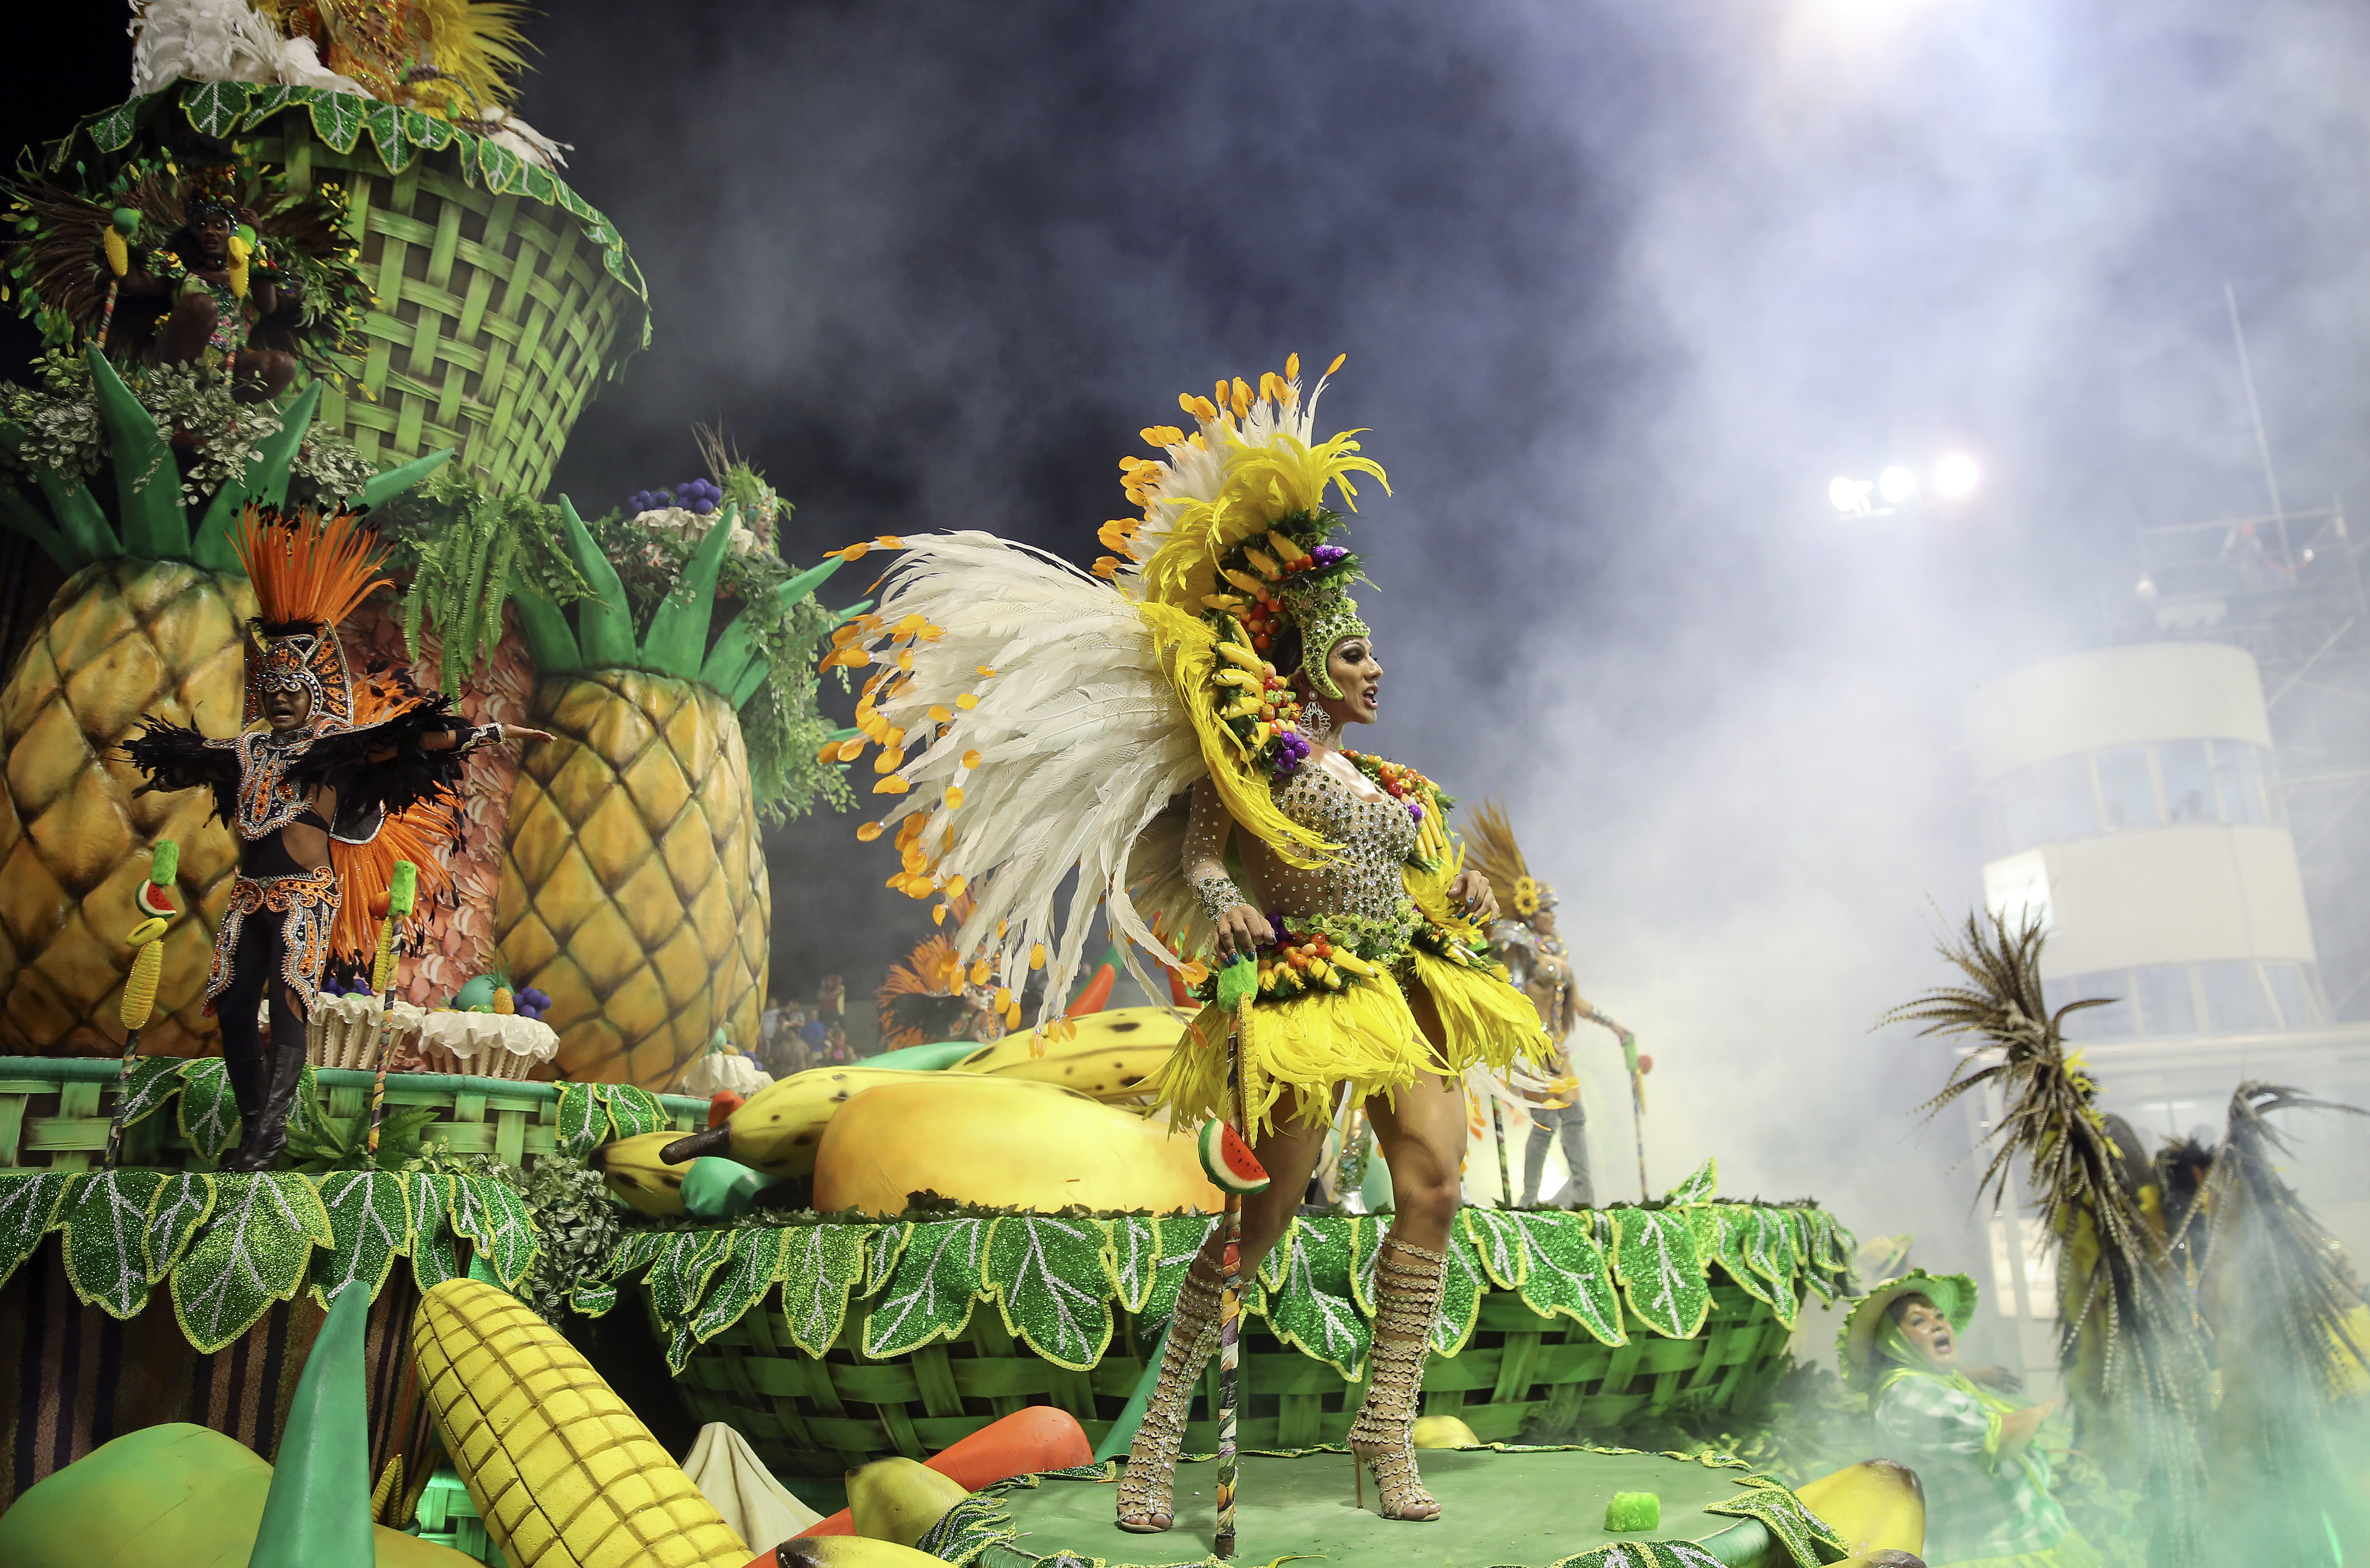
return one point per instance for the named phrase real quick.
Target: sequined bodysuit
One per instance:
(1375, 833)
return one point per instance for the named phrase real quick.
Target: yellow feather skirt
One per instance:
(1296, 1054)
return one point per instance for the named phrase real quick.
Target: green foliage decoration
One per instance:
(87, 424)
(468, 549)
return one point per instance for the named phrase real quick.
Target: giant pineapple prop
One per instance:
(633, 889)
(147, 622)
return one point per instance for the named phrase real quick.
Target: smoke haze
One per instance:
(1622, 288)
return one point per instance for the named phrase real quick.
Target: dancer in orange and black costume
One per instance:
(330, 782)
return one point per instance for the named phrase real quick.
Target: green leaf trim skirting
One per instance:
(1055, 1279)
(224, 109)
(230, 1246)
(966, 1532)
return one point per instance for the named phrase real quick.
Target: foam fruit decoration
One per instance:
(1875, 1507)
(514, 1404)
(155, 894)
(1113, 1056)
(896, 1499)
(1228, 1161)
(1040, 1437)
(781, 1126)
(196, 1498)
(1003, 1144)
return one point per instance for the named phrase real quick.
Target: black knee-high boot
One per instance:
(263, 1081)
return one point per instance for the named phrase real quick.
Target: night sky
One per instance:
(1622, 289)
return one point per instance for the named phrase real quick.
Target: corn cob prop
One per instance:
(562, 1472)
(402, 889)
(147, 944)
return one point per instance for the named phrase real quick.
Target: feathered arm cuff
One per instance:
(385, 765)
(176, 757)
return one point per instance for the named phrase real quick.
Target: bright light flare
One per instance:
(1956, 476)
(1848, 496)
(1896, 485)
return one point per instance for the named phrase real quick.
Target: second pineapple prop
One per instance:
(327, 783)
(633, 890)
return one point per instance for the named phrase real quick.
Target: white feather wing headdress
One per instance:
(1058, 739)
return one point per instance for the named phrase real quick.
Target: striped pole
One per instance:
(1497, 1126)
(402, 890)
(1230, 1323)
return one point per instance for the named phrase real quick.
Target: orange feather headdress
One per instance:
(310, 570)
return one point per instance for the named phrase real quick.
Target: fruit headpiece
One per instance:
(310, 570)
(1492, 850)
(1231, 561)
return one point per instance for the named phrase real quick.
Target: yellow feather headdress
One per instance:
(1229, 553)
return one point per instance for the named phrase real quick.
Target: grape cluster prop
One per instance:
(698, 497)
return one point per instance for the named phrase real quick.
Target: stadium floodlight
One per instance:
(1897, 484)
(1849, 496)
(1955, 477)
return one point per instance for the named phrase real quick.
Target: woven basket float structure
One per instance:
(502, 298)
(828, 1343)
(1520, 1372)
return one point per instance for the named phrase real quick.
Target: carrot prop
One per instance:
(403, 887)
(147, 945)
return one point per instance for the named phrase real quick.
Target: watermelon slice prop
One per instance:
(1228, 1161)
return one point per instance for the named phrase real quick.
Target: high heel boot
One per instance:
(1408, 1285)
(1147, 1491)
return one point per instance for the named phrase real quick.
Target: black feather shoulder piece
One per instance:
(385, 765)
(177, 757)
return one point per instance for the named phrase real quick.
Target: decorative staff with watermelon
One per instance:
(402, 889)
(147, 944)
(1160, 728)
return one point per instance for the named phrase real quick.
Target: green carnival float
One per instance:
(346, 276)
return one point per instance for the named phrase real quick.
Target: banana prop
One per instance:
(402, 893)
(1113, 1055)
(778, 1129)
(147, 944)
(1875, 1507)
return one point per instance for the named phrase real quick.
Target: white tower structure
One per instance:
(2131, 795)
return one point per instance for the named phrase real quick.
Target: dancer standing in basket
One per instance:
(1173, 735)
(330, 782)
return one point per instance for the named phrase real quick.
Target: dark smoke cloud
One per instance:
(1622, 289)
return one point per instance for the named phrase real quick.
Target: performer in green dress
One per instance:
(1987, 1502)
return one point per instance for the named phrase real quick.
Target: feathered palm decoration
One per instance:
(2282, 1292)
(2128, 1337)
(2289, 1325)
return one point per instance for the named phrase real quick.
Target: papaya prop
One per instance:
(147, 944)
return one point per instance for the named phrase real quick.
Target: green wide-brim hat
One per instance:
(1953, 1296)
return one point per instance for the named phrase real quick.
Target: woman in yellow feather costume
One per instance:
(1167, 729)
